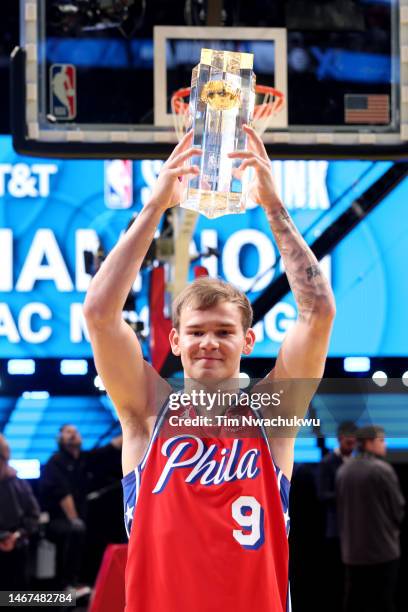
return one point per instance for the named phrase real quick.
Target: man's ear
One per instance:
(175, 342)
(249, 342)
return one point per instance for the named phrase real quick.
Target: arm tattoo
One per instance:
(311, 290)
(312, 272)
(283, 214)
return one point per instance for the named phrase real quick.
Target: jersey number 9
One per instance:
(249, 514)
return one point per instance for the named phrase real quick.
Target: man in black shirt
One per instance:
(346, 435)
(370, 510)
(19, 515)
(333, 579)
(66, 480)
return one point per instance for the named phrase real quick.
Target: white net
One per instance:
(270, 103)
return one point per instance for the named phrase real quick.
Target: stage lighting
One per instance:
(35, 395)
(76, 367)
(244, 380)
(74, 16)
(357, 364)
(21, 366)
(98, 383)
(380, 378)
(26, 468)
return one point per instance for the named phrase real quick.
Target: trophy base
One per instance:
(213, 204)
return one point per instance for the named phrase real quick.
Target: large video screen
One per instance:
(51, 211)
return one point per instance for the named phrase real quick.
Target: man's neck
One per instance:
(371, 454)
(212, 398)
(72, 451)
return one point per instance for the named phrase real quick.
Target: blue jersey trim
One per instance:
(283, 483)
(131, 482)
(156, 429)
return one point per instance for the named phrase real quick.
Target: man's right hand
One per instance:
(168, 188)
(78, 525)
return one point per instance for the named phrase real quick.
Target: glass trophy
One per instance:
(221, 101)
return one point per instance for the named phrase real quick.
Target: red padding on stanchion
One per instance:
(200, 271)
(109, 593)
(159, 326)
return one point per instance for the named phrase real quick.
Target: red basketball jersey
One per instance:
(207, 519)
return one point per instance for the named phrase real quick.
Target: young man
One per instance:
(209, 529)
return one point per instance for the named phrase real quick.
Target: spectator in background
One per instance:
(65, 483)
(19, 516)
(332, 566)
(370, 510)
(346, 436)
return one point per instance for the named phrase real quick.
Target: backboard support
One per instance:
(345, 82)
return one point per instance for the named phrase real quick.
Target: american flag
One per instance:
(367, 108)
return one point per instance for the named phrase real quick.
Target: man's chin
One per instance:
(73, 447)
(208, 375)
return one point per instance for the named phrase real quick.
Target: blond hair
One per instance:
(205, 293)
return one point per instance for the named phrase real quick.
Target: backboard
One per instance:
(95, 78)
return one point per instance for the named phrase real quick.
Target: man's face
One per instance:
(70, 437)
(211, 342)
(347, 444)
(377, 446)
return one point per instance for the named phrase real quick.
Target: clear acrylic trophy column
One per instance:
(221, 101)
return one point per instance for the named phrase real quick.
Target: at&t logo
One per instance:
(24, 181)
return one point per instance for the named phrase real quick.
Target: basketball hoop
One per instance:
(271, 103)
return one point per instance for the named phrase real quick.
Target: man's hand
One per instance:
(168, 188)
(9, 543)
(78, 525)
(262, 189)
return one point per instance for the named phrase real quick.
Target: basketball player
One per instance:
(207, 516)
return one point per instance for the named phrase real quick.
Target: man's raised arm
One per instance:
(303, 353)
(304, 350)
(118, 355)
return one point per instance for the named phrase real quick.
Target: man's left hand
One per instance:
(9, 543)
(262, 189)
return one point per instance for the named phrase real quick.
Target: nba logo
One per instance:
(118, 183)
(63, 91)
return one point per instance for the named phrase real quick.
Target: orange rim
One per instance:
(265, 109)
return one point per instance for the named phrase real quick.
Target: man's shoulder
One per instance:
(365, 463)
(375, 464)
(93, 454)
(349, 467)
(379, 473)
(23, 486)
(53, 458)
(383, 468)
(57, 459)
